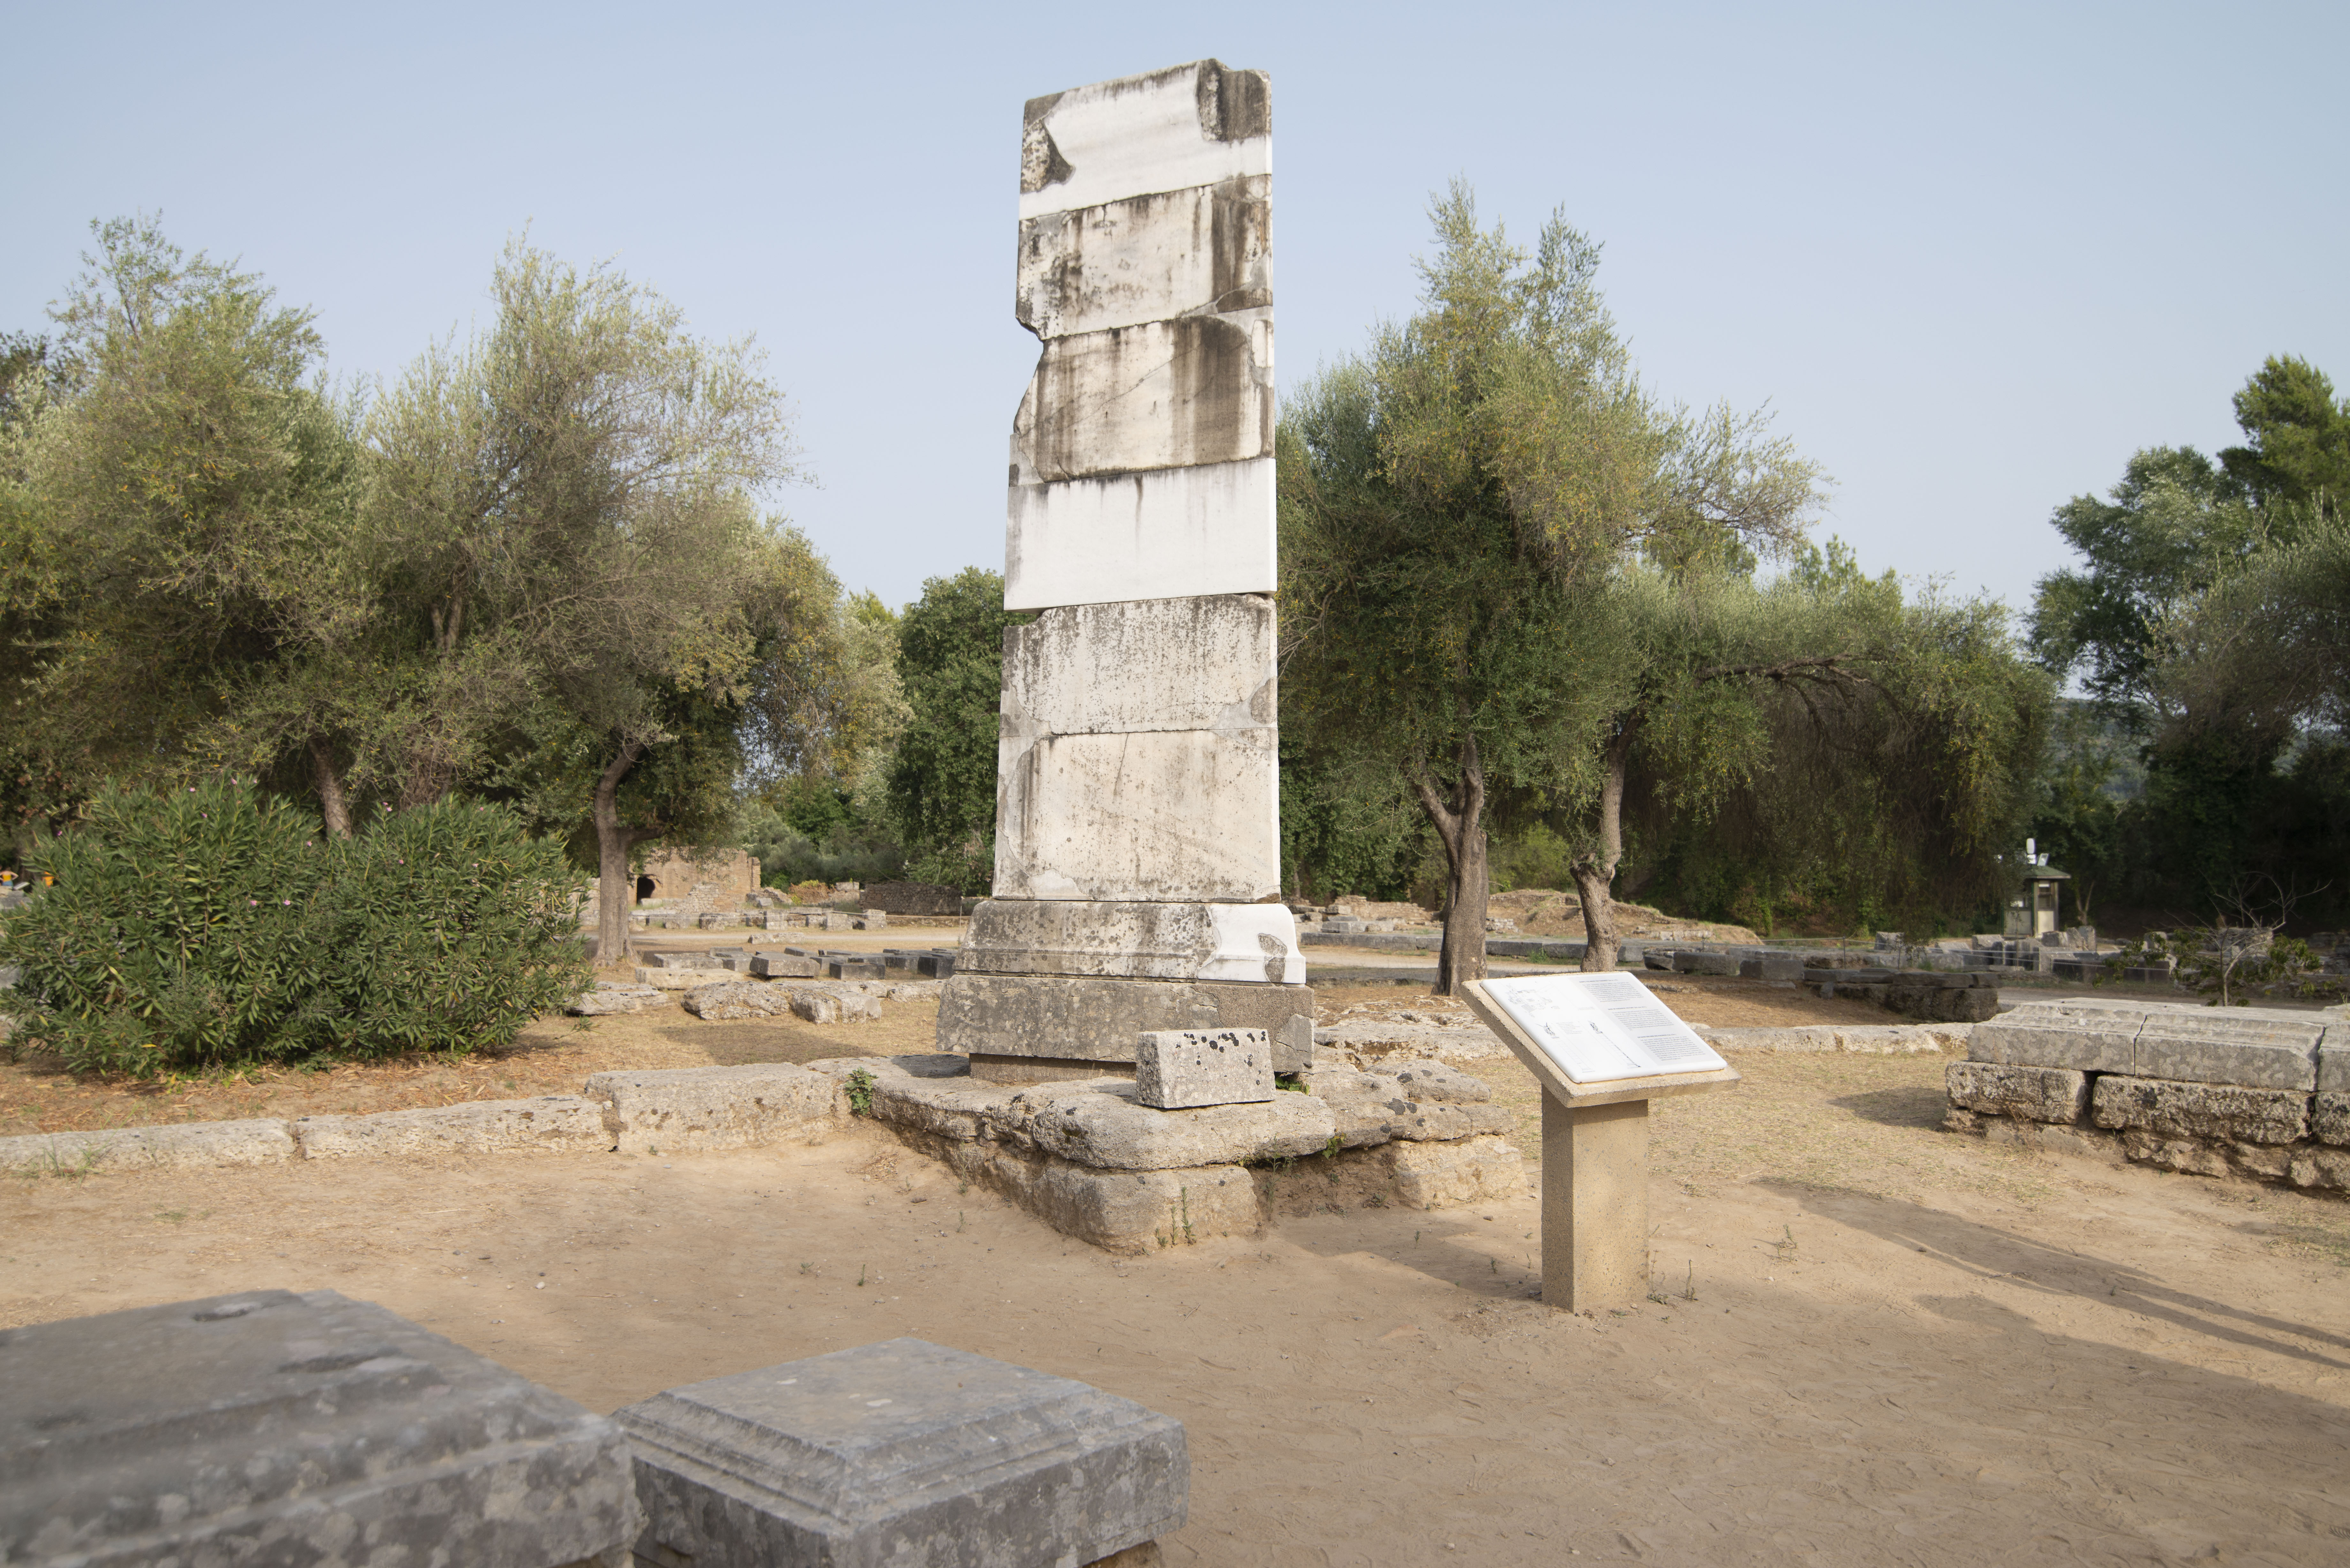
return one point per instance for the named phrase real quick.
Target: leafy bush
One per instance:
(217, 926)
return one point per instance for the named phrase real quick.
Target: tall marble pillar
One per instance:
(1137, 848)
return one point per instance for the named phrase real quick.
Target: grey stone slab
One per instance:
(273, 1429)
(2088, 1038)
(937, 966)
(546, 1124)
(1689, 961)
(1770, 966)
(784, 966)
(2334, 1057)
(1201, 250)
(201, 1146)
(1105, 1127)
(1247, 942)
(1174, 1068)
(2216, 1111)
(2329, 1115)
(1099, 1020)
(1172, 815)
(2205, 1045)
(693, 1108)
(901, 1454)
(1412, 1104)
(2033, 1094)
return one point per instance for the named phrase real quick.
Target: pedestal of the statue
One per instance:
(1586, 1039)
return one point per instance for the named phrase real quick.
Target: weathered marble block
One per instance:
(1247, 942)
(1093, 1020)
(1196, 124)
(269, 1427)
(1169, 533)
(1206, 250)
(1176, 1068)
(1203, 663)
(1162, 816)
(1164, 394)
(901, 1455)
(2033, 1094)
(2205, 1045)
(2084, 1036)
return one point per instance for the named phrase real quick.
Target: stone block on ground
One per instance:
(1174, 1068)
(611, 998)
(1415, 1103)
(1091, 1019)
(663, 978)
(2334, 1058)
(859, 968)
(1689, 961)
(697, 1108)
(2085, 1036)
(548, 1124)
(2266, 1048)
(199, 1146)
(901, 1452)
(270, 1428)
(815, 1006)
(1487, 1169)
(1940, 1003)
(2034, 1093)
(1772, 966)
(1105, 1127)
(2329, 1116)
(2209, 1111)
(1243, 942)
(784, 966)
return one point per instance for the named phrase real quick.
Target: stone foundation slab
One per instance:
(549, 1124)
(2029, 1093)
(695, 1109)
(1099, 1020)
(2202, 1111)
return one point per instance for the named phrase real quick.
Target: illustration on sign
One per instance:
(1598, 1027)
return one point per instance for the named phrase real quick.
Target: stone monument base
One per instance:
(1031, 1028)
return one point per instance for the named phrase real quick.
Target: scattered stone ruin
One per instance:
(2262, 1092)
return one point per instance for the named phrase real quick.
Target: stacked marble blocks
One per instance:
(2257, 1092)
(270, 1428)
(1138, 807)
(901, 1453)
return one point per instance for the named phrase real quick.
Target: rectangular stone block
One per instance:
(934, 965)
(1772, 966)
(2334, 1058)
(1171, 533)
(2329, 1115)
(900, 1453)
(2033, 1094)
(1072, 1018)
(2205, 1045)
(1246, 942)
(2214, 1111)
(2085, 1036)
(200, 1147)
(1196, 124)
(1689, 960)
(696, 1108)
(1202, 250)
(784, 966)
(1153, 664)
(548, 1124)
(1165, 394)
(1174, 1068)
(856, 969)
(269, 1427)
(1183, 816)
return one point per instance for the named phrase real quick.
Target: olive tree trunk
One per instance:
(1593, 869)
(333, 804)
(1459, 823)
(615, 891)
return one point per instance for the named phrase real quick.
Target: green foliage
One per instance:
(861, 1092)
(216, 926)
(940, 788)
(2297, 447)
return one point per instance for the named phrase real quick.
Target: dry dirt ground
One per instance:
(1871, 1341)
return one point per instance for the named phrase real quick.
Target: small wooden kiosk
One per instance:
(1595, 1155)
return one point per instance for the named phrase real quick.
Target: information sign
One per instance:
(1601, 1027)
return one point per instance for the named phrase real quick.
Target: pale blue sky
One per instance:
(1973, 255)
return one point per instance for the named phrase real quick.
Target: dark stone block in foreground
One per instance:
(282, 1429)
(902, 1453)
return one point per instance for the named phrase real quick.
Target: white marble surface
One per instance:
(1131, 137)
(1172, 815)
(1165, 533)
(1205, 663)
(1207, 248)
(1166, 394)
(1250, 943)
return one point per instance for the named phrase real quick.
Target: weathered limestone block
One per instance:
(1165, 394)
(1165, 816)
(2334, 1058)
(1159, 664)
(1245, 942)
(2034, 1093)
(695, 1108)
(2267, 1049)
(610, 999)
(197, 1147)
(2086, 1036)
(784, 966)
(2320, 1167)
(1413, 1105)
(1772, 966)
(1958, 1003)
(1125, 1211)
(1176, 1068)
(269, 1427)
(1689, 961)
(665, 979)
(2163, 1109)
(1198, 124)
(832, 1006)
(1097, 1020)
(1106, 1127)
(900, 1453)
(2329, 1116)
(1486, 1169)
(1171, 533)
(548, 1124)
(1202, 250)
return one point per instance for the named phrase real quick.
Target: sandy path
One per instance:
(1903, 1346)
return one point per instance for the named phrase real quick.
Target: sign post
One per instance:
(1602, 1046)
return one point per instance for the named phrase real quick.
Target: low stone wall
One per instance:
(2260, 1092)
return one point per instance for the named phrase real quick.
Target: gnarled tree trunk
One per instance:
(1461, 825)
(1595, 869)
(614, 889)
(333, 804)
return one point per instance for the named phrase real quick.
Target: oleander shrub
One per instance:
(217, 926)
